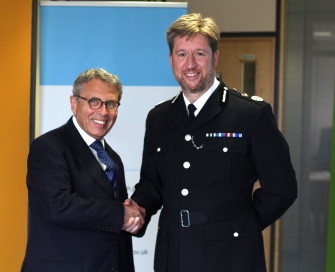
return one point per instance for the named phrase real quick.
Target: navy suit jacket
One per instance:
(75, 221)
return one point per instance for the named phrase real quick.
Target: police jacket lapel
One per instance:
(211, 109)
(178, 112)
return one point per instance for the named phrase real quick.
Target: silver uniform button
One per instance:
(225, 149)
(188, 137)
(184, 192)
(158, 149)
(235, 234)
(186, 165)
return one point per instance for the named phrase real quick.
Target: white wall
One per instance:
(238, 15)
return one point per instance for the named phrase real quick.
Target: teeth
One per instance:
(191, 74)
(99, 122)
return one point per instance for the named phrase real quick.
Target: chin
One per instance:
(194, 90)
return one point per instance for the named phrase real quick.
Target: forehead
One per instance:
(97, 86)
(195, 41)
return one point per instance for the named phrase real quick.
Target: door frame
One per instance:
(278, 35)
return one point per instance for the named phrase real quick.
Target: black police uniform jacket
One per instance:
(203, 176)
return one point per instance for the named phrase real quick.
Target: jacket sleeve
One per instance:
(66, 195)
(270, 153)
(147, 191)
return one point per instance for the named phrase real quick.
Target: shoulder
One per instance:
(244, 97)
(245, 103)
(53, 138)
(165, 103)
(245, 107)
(164, 106)
(228, 95)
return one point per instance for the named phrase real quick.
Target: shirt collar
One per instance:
(87, 138)
(201, 101)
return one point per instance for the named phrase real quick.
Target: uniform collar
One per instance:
(202, 99)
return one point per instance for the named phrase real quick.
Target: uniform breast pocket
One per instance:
(163, 155)
(220, 155)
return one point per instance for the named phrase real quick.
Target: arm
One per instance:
(271, 155)
(147, 191)
(63, 193)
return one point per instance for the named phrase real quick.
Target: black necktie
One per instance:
(191, 110)
(112, 169)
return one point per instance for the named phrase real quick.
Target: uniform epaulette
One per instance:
(162, 102)
(253, 98)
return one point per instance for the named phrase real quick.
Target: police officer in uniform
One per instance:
(203, 151)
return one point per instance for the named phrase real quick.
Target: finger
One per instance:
(142, 221)
(132, 230)
(135, 230)
(129, 223)
(136, 221)
(134, 226)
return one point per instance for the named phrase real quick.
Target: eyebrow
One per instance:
(198, 49)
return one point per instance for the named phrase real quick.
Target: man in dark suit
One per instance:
(203, 151)
(76, 190)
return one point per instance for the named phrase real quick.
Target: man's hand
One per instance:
(133, 216)
(130, 202)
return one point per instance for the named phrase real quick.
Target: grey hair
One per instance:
(97, 73)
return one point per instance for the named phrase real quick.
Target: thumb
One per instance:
(128, 202)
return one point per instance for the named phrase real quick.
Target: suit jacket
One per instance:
(75, 221)
(203, 176)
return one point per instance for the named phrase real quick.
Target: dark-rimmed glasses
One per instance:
(96, 103)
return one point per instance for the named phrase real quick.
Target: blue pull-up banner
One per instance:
(126, 39)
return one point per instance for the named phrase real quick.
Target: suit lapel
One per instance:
(85, 157)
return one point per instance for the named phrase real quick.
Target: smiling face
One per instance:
(96, 123)
(193, 63)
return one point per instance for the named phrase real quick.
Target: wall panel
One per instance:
(15, 32)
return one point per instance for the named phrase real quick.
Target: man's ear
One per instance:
(73, 101)
(215, 58)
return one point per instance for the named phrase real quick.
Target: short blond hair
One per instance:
(192, 24)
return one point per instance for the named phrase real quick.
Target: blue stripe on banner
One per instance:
(127, 41)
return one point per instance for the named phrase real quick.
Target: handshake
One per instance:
(134, 216)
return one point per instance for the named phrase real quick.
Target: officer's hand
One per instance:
(133, 218)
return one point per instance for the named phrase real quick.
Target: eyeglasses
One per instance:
(96, 103)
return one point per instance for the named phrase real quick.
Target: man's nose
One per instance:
(103, 108)
(191, 61)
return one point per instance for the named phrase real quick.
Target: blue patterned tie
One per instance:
(112, 169)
